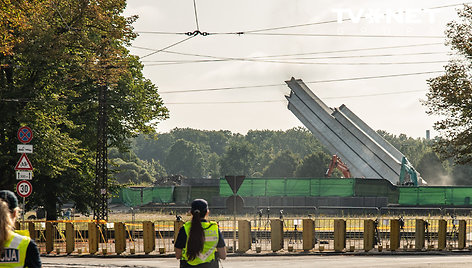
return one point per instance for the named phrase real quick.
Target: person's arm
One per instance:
(32, 259)
(178, 253)
(221, 246)
(221, 252)
(180, 243)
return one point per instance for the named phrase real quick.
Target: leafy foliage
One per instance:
(55, 57)
(185, 158)
(450, 95)
(283, 165)
(314, 165)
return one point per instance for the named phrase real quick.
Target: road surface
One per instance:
(448, 261)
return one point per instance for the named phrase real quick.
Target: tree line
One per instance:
(295, 152)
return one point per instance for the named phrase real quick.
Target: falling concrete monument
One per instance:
(365, 152)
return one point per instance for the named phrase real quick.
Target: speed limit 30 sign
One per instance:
(24, 188)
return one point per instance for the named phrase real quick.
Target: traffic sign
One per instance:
(235, 182)
(24, 148)
(24, 175)
(24, 188)
(23, 163)
(25, 134)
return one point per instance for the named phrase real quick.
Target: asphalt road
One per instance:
(448, 261)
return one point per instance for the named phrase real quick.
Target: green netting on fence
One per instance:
(376, 187)
(291, 187)
(457, 196)
(141, 196)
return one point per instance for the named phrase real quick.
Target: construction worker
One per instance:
(200, 242)
(15, 250)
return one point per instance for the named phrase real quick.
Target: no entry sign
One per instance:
(24, 188)
(25, 134)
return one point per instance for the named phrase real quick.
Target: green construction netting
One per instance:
(376, 187)
(457, 196)
(141, 196)
(291, 187)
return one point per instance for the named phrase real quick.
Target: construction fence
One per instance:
(300, 187)
(258, 235)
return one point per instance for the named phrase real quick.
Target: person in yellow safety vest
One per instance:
(200, 242)
(15, 250)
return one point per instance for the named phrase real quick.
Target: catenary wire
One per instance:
(283, 101)
(196, 17)
(163, 49)
(347, 35)
(334, 21)
(305, 58)
(219, 102)
(295, 25)
(310, 82)
(287, 55)
(306, 63)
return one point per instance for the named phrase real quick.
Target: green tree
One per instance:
(58, 59)
(239, 159)
(314, 165)
(186, 159)
(283, 165)
(450, 94)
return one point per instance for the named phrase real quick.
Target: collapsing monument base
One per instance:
(364, 151)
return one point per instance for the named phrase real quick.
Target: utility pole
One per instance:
(100, 210)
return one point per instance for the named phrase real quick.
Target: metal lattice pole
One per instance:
(100, 210)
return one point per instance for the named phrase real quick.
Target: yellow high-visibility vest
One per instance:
(209, 246)
(14, 252)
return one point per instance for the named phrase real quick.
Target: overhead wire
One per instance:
(218, 58)
(311, 58)
(196, 16)
(307, 63)
(309, 82)
(172, 45)
(334, 21)
(315, 58)
(347, 35)
(23, 100)
(294, 54)
(294, 25)
(277, 101)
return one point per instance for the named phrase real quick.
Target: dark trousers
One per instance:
(212, 264)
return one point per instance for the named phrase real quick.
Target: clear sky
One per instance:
(239, 78)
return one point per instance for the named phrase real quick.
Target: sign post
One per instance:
(234, 183)
(24, 189)
(24, 169)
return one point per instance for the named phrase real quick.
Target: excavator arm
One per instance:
(337, 163)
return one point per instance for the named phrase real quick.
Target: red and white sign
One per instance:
(25, 134)
(24, 188)
(23, 163)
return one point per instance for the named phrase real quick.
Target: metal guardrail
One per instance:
(259, 235)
